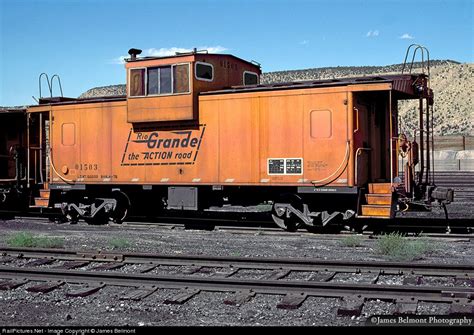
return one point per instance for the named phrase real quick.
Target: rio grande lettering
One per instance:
(163, 147)
(154, 142)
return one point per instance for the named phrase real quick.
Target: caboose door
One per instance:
(326, 145)
(38, 147)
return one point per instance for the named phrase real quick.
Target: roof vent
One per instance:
(133, 53)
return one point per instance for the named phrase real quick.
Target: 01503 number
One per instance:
(87, 167)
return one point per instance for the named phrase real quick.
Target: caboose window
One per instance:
(165, 80)
(204, 71)
(171, 79)
(181, 78)
(250, 78)
(153, 75)
(137, 82)
(159, 80)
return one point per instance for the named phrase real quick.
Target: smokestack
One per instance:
(133, 53)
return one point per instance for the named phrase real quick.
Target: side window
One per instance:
(153, 74)
(137, 82)
(165, 80)
(171, 79)
(321, 123)
(181, 78)
(68, 134)
(250, 78)
(204, 71)
(159, 80)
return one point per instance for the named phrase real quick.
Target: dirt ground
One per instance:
(21, 308)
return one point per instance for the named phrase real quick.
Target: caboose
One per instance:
(197, 131)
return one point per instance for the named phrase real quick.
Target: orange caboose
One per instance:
(198, 130)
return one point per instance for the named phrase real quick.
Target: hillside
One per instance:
(452, 83)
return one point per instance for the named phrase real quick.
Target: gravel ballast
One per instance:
(104, 308)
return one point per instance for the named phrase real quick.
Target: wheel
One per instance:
(289, 224)
(122, 208)
(98, 219)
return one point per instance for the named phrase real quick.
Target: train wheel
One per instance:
(99, 219)
(122, 208)
(72, 218)
(289, 224)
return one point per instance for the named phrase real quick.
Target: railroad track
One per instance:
(44, 270)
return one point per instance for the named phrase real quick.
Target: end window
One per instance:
(250, 78)
(204, 71)
(181, 78)
(137, 82)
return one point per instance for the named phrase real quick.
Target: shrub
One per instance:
(119, 243)
(28, 240)
(400, 248)
(352, 241)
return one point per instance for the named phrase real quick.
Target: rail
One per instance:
(276, 279)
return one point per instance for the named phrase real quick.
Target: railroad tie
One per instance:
(191, 270)
(182, 296)
(45, 287)
(322, 276)
(84, 291)
(226, 274)
(147, 268)
(139, 294)
(463, 307)
(40, 262)
(464, 281)
(240, 298)
(292, 301)
(7, 285)
(70, 265)
(406, 306)
(413, 280)
(352, 306)
(275, 275)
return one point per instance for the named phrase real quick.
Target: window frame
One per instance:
(172, 81)
(250, 72)
(203, 79)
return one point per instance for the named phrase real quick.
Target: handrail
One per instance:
(59, 82)
(49, 85)
(357, 119)
(423, 49)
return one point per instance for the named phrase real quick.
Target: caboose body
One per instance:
(196, 131)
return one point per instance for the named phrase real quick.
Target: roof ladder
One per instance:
(50, 84)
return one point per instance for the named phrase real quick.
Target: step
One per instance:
(378, 199)
(377, 210)
(380, 188)
(41, 202)
(45, 194)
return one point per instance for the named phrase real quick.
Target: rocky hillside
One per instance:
(452, 83)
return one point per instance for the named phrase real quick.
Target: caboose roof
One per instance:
(403, 83)
(187, 54)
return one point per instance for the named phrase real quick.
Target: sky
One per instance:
(83, 41)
